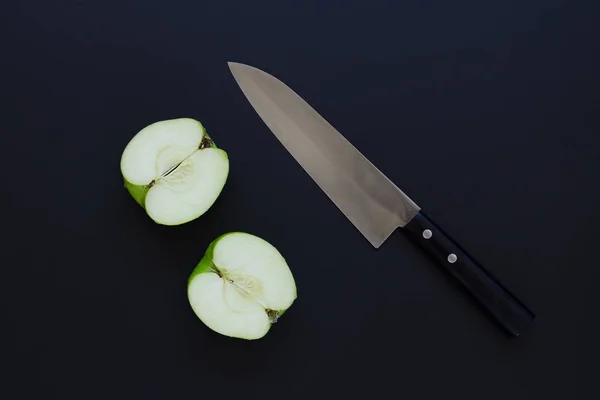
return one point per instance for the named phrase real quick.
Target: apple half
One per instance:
(174, 170)
(241, 286)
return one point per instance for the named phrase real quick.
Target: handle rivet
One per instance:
(427, 234)
(452, 258)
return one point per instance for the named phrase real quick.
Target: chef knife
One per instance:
(371, 201)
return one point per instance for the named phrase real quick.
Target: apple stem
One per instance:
(214, 269)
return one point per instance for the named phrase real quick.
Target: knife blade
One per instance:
(371, 201)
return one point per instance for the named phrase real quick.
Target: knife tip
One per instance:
(239, 67)
(233, 64)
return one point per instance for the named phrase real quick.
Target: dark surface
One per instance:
(495, 299)
(486, 113)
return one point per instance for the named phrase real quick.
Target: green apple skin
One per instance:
(138, 192)
(206, 264)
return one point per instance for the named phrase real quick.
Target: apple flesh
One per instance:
(241, 286)
(174, 170)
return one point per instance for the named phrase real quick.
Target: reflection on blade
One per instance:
(368, 198)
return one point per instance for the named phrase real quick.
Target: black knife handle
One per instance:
(499, 303)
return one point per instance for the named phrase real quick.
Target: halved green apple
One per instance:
(174, 170)
(241, 286)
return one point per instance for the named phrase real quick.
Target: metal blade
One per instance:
(374, 205)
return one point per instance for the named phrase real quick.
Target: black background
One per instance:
(485, 112)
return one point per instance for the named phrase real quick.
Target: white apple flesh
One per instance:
(241, 286)
(174, 170)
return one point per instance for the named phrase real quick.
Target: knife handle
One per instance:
(499, 303)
